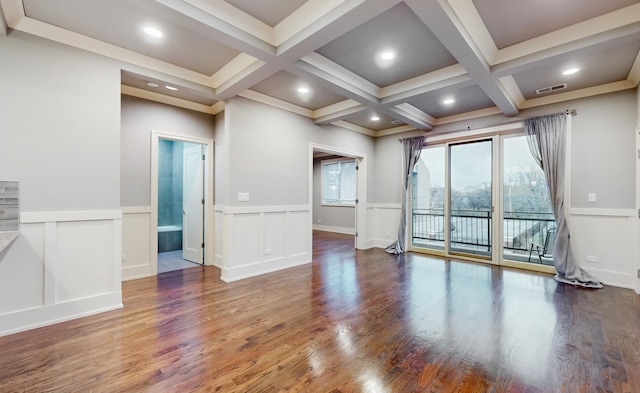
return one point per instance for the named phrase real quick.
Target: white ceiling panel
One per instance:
(611, 64)
(363, 119)
(269, 12)
(512, 21)
(417, 50)
(284, 86)
(467, 99)
(121, 23)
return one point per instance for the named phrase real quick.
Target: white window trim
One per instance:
(332, 161)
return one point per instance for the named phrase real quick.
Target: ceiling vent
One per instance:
(397, 122)
(549, 89)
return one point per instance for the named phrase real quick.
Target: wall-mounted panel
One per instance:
(299, 224)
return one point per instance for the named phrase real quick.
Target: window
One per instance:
(339, 182)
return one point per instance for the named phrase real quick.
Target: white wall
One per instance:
(138, 119)
(60, 110)
(602, 162)
(636, 237)
(339, 219)
(266, 154)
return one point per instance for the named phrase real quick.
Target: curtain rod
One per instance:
(568, 112)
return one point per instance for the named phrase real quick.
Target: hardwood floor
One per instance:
(352, 321)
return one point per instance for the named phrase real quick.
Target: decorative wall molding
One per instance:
(256, 240)
(77, 258)
(329, 228)
(604, 212)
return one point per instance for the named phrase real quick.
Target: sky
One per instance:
(471, 162)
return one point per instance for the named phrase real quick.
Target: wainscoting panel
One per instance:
(136, 243)
(91, 262)
(218, 222)
(608, 235)
(62, 266)
(22, 271)
(260, 240)
(383, 220)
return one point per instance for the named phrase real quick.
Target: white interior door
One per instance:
(193, 203)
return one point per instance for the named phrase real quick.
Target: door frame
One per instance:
(497, 135)
(209, 226)
(361, 191)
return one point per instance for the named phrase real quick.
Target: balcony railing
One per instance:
(472, 228)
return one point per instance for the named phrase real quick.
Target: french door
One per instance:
(483, 199)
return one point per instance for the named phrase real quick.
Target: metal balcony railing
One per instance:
(472, 228)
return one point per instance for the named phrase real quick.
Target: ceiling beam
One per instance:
(412, 116)
(454, 35)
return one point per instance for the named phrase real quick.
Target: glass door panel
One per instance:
(427, 210)
(470, 204)
(528, 223)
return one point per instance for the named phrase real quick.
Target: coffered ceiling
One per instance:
(325, 59)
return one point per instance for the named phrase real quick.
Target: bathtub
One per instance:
(169, 238)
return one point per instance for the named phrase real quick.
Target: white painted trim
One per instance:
(259, 209)
(329, 228)
(263, 267)
(66, 216)
(165, 99)
(135, 272)
(613, 278)
(337, 107)
(136, 209)
(51, 314)
(50, 256)
(603, 212)
(274, 102)
(209, 224)
(361, 190)
(394, 206)
(353, 127)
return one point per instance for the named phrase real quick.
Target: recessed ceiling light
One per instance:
(171, 88)
(571, 71)
(153, 32)
(387, 55)
(375, 118)
(303, 90)
(152, 84)
(448, 101)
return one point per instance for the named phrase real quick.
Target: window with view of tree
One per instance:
(339, 181)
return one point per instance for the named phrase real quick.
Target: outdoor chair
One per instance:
(544, 250)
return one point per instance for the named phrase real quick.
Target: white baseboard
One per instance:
(329, 228)
(135, 272)
(21, 321)
(615, 279)
(257, 269)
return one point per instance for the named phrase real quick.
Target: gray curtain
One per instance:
(412, 148)
(547, 141)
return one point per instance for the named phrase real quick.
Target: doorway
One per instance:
(181, 202)
(180, 205)
(337, 192)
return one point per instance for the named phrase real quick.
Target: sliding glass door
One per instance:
(470, 201)
(484, 199)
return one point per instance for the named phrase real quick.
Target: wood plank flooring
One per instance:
(352, 321)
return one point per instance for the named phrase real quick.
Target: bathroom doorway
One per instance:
(181, 204)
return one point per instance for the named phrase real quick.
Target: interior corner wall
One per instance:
(267, 157)
(139, 118)
(60, 109)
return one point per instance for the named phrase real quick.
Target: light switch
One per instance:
(592, 197)
(243, 197)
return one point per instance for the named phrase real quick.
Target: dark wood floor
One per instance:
(352, 321)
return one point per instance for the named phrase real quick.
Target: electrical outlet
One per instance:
(267, 252)
(243, 197)
(591, 197)
(592, 259)
(124, 258)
